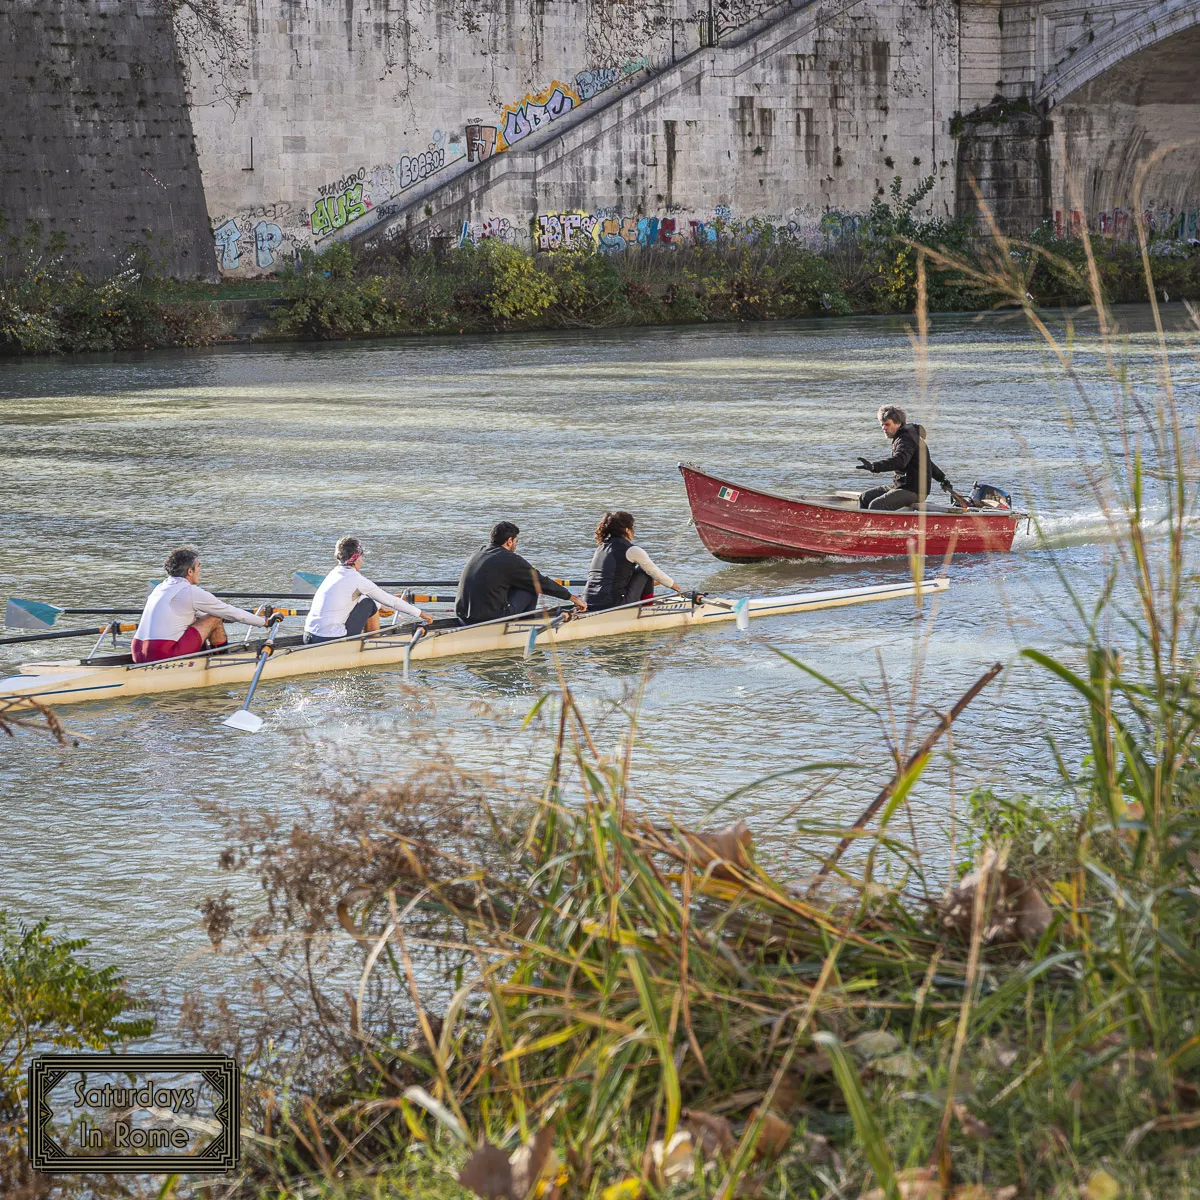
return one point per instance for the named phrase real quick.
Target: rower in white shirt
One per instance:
(180, 617)
(347, 603)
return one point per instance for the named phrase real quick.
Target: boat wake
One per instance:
(1089, 528)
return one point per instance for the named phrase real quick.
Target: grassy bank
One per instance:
(748, 274)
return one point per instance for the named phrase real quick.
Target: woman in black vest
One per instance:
(621, 573)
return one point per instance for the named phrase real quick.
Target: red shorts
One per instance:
(156, 648)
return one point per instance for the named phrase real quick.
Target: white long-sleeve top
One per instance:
(175, 604)
(339, 592)
(639, 558)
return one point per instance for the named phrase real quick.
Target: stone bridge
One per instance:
(546, 121)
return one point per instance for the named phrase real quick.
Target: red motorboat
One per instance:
(744, 524)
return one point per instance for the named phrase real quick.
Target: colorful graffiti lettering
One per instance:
(227, 237)
(589, 83)
(534, 112)
(474, 232)
(332, 213)
(267, 237)
(410, 170)
(481, 141)
(563, 231)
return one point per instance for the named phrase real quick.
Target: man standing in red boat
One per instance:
(909, 461)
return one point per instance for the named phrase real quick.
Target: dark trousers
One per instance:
(521, 600)
(639, 587)
(887, 499)
(356, 622)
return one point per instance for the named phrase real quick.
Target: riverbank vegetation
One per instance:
(751, 272)
(468, 990)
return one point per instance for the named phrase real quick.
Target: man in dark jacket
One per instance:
(498, 582)
(910, 462)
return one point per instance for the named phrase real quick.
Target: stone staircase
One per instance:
(562, 167)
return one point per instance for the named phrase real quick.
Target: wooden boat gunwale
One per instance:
(909, 513)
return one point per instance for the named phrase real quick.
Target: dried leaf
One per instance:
(713, 1133)
(976, 1191)
(1100, 1186)
(531, 1161)
(903, 1065)
(1168, 1123)
(972, 1126)
(817, 1148)
(773, 1135)
(874, 1043)
(1018, 911)
(999, 1054)
(488, 1173)
(734, 845)
(915, 1183)
(674, 1161)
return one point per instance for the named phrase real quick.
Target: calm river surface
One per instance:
(264, 456)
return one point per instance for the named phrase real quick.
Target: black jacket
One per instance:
(490, 574)
(609, 574)
(910, 461)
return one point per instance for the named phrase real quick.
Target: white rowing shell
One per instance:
(72, 681)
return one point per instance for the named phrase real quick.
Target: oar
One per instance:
(34, 614)
(740, 609)
(306, 582)
(244, 718)
(91, 631)
(418, 634)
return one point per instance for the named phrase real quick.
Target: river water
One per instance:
(264, 456)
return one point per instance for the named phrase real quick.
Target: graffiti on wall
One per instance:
(474, 232)
(595, 80)
(612, 232)
(535, 111)
(364, 196)
(1120, 224)
(262, 239)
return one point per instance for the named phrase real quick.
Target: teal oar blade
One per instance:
(306, 582)
(531, 642)
(741, 614)
(30, 614)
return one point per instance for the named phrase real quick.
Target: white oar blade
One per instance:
(245, 720)
(305, 583)
(741, 614)
(30, 614)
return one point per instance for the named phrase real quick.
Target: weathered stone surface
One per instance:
(96, 141)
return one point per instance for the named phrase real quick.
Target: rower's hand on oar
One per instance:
(947, 487)
(580, 604)
(864, 464)
(425, 618)
(275, 618)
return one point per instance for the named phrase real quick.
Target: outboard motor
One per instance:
(986, 495)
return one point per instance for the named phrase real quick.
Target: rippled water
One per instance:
(263, 457)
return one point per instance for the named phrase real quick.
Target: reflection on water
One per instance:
(265, 456)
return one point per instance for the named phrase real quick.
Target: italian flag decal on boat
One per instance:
(727, 493)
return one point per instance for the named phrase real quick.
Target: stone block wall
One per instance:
(800, 125)
(320, 119)
(96, 141)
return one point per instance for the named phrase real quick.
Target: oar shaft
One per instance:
(91, 631)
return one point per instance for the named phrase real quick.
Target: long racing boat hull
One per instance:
(117, 677)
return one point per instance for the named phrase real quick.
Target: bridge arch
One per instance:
(1086, 60)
